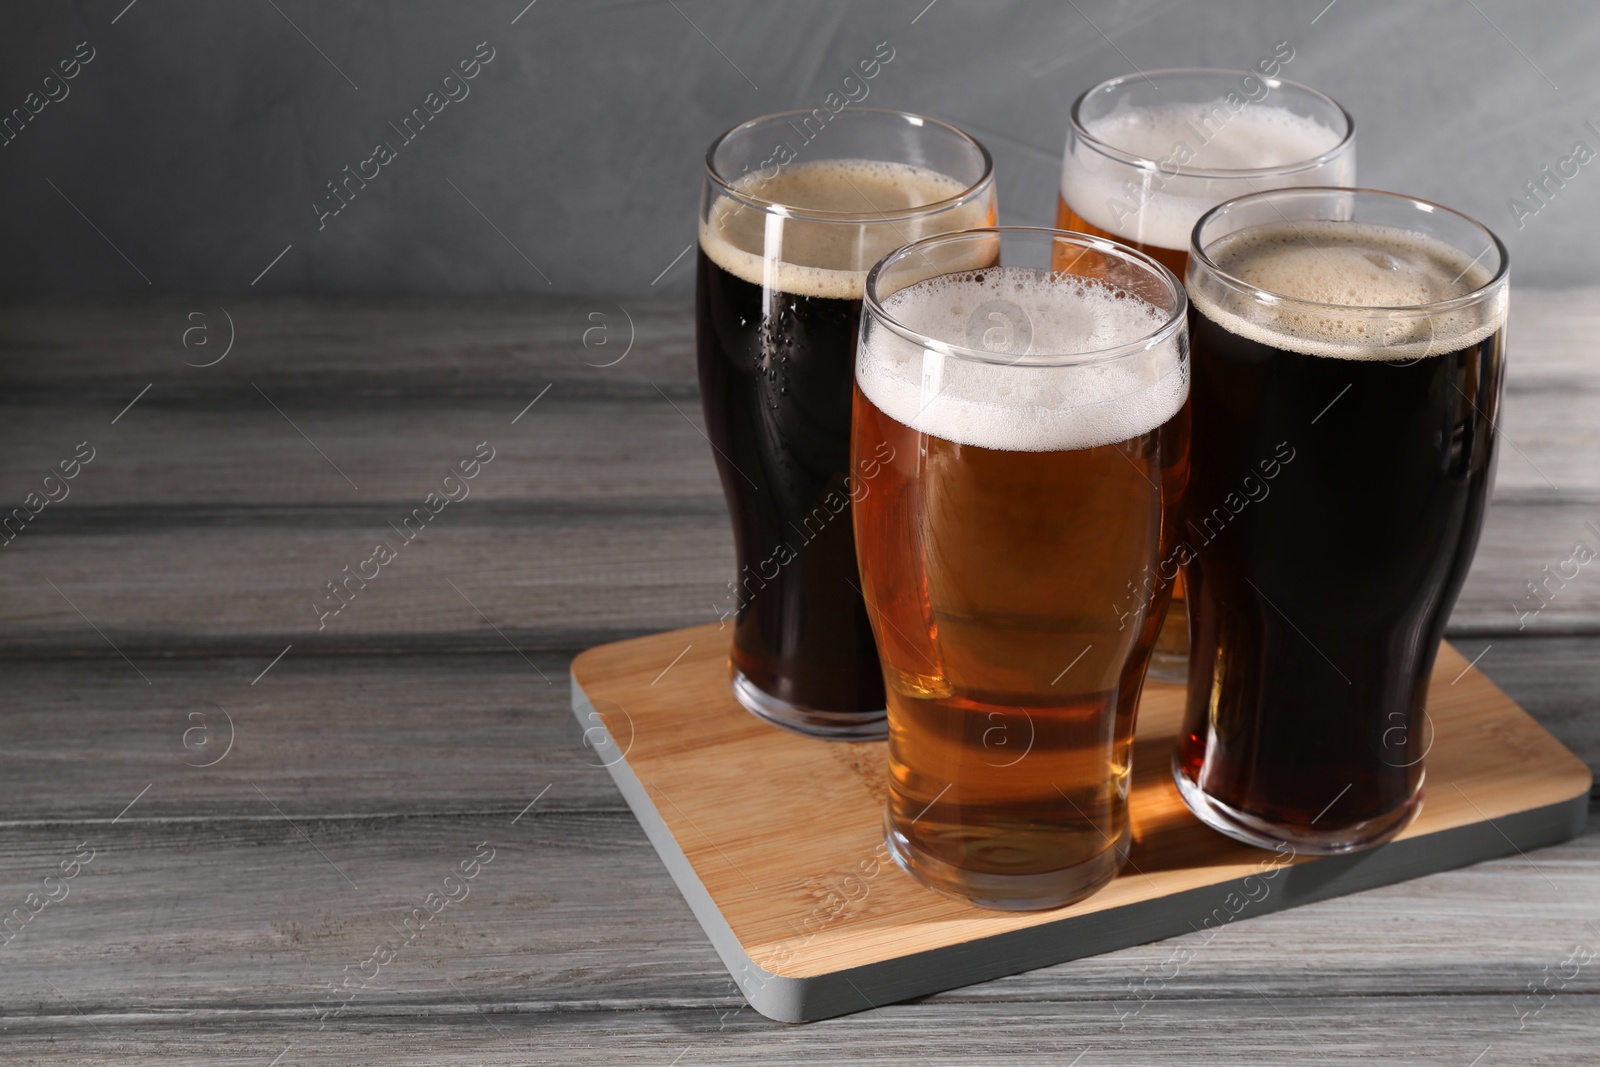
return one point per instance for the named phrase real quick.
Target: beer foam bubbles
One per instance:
(1031, 400)
(1160, 206)
(830, 257)
(1346, 267)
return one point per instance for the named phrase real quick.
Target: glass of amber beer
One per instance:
(1148, 153)
(1347, 372)
(797, 207)
(1021, 393)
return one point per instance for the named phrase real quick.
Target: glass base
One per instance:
(828, 725)
(1011, 892)
(1253, 830)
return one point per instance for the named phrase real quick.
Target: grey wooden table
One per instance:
(239, 830)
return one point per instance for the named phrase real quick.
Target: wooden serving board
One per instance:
(776, 840)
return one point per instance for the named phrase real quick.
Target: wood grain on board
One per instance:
(729, 789)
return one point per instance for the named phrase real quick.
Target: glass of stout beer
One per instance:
(1347, 370)
(797, 207)
(1147, 154)
(1023, 392)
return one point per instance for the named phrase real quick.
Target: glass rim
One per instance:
(1200, 258)
(1140, 162)
(977, 188)
(1175, 321)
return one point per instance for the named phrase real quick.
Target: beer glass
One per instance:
(797, 207)
(1347, 370)
(1148, 153)
(1020, 396)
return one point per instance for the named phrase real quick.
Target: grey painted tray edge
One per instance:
(825, 996)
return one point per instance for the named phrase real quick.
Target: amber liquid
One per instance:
(1013, 654)
(1172, 646)
(1174, 259)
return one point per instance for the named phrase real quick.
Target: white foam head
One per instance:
(1028, 405)
(808, 257)
(1343, 267)
(1166, 203)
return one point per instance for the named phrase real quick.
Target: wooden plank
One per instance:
(1550, 440)
(550, 576)
(562, 579)
(1443, 1031)
(355, 347)
(1550, 443)
(194, 449)
(266, 911)
(323, 736)
(470, 341)
(818, 923)
(1518, 543)
(245, 920)
(204, 455)
(1551, 333)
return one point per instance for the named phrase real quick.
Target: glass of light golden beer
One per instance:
(1348, 360)
(1021, 400)
(1147, 154)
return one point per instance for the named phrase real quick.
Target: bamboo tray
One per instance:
(776, 840)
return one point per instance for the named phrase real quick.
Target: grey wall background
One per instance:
(200, 135)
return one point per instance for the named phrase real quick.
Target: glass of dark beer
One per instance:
(1148, 153)
(797, 207)
(1348, 358)
(1020, 395)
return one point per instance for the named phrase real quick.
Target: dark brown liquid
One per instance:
(1318, 597)
(776, 376)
